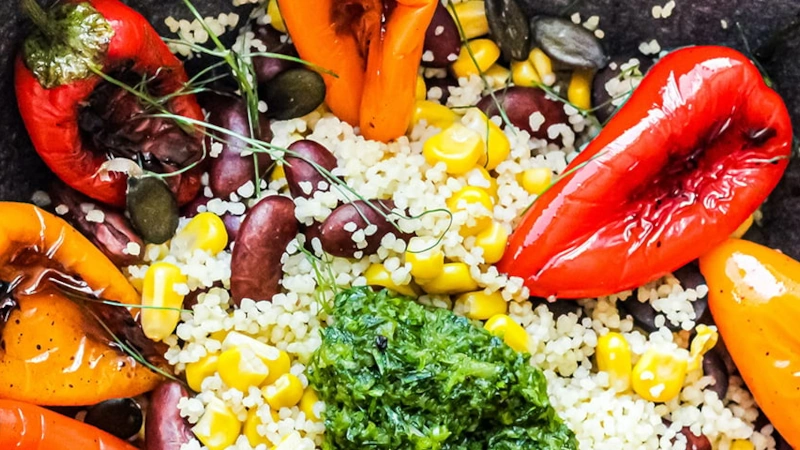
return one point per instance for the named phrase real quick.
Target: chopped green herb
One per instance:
(395, 374)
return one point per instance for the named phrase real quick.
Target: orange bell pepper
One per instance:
(754, 296)
(52, 354)
(374, 51)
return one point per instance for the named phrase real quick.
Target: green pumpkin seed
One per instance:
(293, 93)
(152, 208)
(509, 28)
(568, 44)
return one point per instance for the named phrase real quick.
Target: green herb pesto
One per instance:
(395, 374)
(73, 37)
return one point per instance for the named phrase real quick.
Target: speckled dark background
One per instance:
(626, 24)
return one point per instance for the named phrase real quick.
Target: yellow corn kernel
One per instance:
(524, 74)
(308, 404)
(278, 367)
(276, 20)
(427, 260)
(464, 199)
(477, 59)
(458, 147)
(278, 173)
(705, 339)
(613, 355)
(434, 114)
(512, 333)
(497, 76)
(284, 393)
(378, 275)
(543, 65)
(490, 184)
(579, 92)
(250, 430)
(496, 145)
(743, 228)
(158, 293)
(218, 428)
(479, 305)
(421, 92)
(198, 371)
(659, 374)
(454, 279)
(240, 368)
(536, 180)
(206, 232)
(741, 444)
(493, 241)
(471, 16)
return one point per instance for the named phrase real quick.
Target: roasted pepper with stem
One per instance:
(52, 352)
(78, 118)
(695, 150)
(373, 47)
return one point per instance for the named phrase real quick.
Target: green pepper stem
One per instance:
(38, 16)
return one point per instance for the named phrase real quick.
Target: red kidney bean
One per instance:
(694, 442)
(112, 236)
(520, 103)
(256, 261)
(337, 238)
(121, 417)
(267, 68)
(165, 429)
(442, 39)
(299, 170)
(311, 232)
(230, 170)
(714, 367)
(232, 223)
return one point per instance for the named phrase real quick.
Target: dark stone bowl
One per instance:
(752, 24)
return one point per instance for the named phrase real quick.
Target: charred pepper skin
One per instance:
(695, 151)
(51, 114)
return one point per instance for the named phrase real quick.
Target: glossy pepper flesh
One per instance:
(695, 150)
(76, 121)
(373, 47)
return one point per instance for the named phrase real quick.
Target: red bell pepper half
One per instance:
(696, 149)
(54, 86)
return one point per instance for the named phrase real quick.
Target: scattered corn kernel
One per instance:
(426, 259)
(613, 355)
(536, 180)
(659, 374)
(240, 368)
(524, 74)
(458, 147)
(741, 444)
(278, 367)
(421, 92)
(496, 145)
(705, 339)
(465, 199)
(284, 393)
(490, 185)
(497, 76)
(434, 114)
(743, 228)
(277, 361)
(206, 232)
(250, 430)
(276, 20)
(308, 404)
(479, 305)
(218, 428)
(543, 65)
(379, 275)
(163, 302)
(278, 173)
(512, 333)
(471, 16)
(579, 92)
(475, 57)
(454, 279)
(198, 371)
(493, 241)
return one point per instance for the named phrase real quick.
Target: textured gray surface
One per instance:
(626, 24)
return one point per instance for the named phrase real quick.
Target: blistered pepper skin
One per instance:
(695, 150)
(754, 296)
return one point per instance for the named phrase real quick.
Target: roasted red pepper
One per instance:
(77, 121)
(696, 149)
(373, 46)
